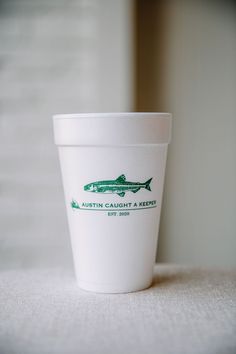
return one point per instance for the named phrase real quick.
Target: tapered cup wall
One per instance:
(113, 195)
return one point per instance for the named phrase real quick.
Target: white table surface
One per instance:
(187, 310)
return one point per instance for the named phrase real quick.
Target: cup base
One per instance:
(110, 288)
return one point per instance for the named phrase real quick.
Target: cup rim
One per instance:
(112, 115)
(117, 128)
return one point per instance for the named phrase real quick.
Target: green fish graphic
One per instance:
(118, 186)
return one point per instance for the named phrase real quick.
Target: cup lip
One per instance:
(112, 115)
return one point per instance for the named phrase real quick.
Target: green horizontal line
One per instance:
(151, 207)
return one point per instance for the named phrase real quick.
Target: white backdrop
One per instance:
(78, 56)
(57, 56)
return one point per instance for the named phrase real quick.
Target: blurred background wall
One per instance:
(119, 55)
(186, 55)
(56, 56)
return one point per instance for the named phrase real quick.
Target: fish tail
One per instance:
(147, 184)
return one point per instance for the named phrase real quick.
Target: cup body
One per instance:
(113, 194)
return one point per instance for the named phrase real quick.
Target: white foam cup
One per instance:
(113, 167)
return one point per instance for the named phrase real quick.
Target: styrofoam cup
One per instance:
(113, 167)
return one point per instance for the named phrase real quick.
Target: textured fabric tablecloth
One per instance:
(187, 310)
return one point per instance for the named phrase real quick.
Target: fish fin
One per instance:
(147, 184)
(121, 178)
(135, 190)
(121, 194)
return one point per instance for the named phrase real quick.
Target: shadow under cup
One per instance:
(113, 167)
